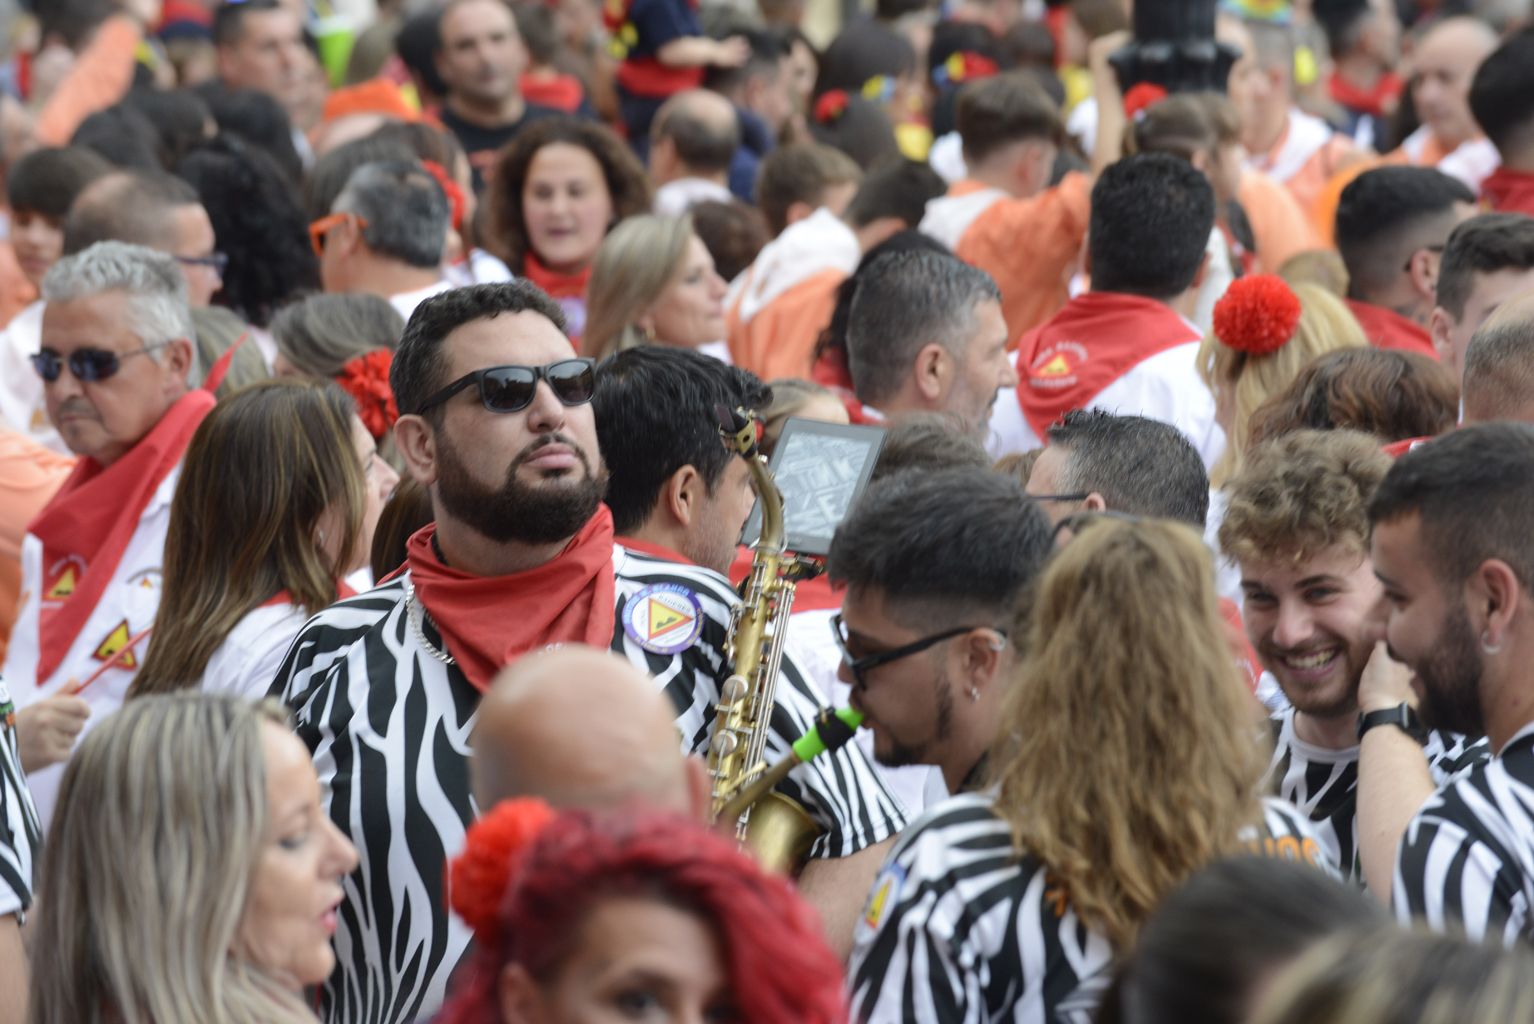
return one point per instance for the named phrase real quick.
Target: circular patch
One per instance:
(663, 618)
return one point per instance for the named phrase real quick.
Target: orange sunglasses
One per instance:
(322, 227)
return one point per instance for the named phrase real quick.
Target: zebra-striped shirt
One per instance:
(1324, 783)
(388, 725)
(20, 833)
(961, 929)
(1467, 859)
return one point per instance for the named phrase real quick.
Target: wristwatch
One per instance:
(1402, 716)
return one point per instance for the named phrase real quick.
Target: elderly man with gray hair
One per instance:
(385, 235)
(926, 334)
(115, 355)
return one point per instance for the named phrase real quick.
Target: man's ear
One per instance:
(178, 361)
(1494, 586)
(1422, 268)
(1095, 503)
(981, 652)
(931, 371)
(681, 496)
(416, 441)
(1439, 325)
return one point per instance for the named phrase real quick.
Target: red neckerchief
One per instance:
(1387, 89)
(861, 415)
(830, 370)
(1396, 449)
(644, 547)
(1097, 338)
(1385, 328)
(1509, 191)
(556, 284)
(487, 621)
(87, 525)
(811, 595)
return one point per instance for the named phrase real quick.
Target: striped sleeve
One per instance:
(1454, 881)
(20, 833)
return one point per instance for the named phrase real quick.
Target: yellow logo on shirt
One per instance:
(1056, 367)
(116, 641)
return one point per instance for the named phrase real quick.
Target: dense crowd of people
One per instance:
(383, 615)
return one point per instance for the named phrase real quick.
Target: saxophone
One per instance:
(776, 830)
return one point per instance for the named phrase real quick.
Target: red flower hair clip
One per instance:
(831, 105)
(1141, 97)
(366, 379)
(455, 200)
(1257, 314)
(477, 879)
(964, 66)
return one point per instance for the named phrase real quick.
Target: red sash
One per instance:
(1385, 328)
(88, 524)
(488, 621)
(1509, 191)
(1096, 339)
(554, 283)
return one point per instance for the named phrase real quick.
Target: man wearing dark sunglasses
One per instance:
(498, 426)
(114, 360)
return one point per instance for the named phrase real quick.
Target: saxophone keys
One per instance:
(734, 690)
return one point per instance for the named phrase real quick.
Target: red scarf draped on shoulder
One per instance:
(87, 526)
(1374, 102)
(1509, 191)
(488, 621)
(558, 285)
(1385, 328)
(1097, 338)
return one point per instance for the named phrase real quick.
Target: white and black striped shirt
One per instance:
(1324, 783)
(20, 833)
(388, 725)
(1467, 859)
(961, 929)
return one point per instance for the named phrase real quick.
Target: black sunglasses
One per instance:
(87, 364)
(858, 666)
(511, 388)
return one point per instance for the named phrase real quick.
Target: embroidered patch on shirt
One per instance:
(885, 894)
(663, 618)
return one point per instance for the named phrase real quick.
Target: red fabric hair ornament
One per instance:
(455, 200)
(366, 379)
(1257, 314)
(478, 877)
(831, 105)
(1142, 96)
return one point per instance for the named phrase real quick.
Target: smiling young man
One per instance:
(1298, 528)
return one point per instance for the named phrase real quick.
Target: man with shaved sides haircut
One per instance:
(1499, 366)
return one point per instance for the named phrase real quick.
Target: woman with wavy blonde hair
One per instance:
(1265, 332)
(1129, 756)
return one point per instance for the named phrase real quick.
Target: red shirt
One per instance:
(1386, 328)
(1509, 191)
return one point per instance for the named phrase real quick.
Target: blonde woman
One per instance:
(653, 282)
(190, 873)
(1129, 756)
(1265, 332)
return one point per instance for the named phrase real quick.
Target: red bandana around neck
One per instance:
(1387, 89)
(645, 547)
(488, 621)
(1096, 339)
(558, 285)
(88, 524)
(1509, 191)
(1385, 328)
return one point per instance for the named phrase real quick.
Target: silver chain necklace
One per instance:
(414, 612)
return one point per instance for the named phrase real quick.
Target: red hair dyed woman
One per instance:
(585, 920)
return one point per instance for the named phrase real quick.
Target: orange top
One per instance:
(1030, 247)
(29, 475)
(779, 341)
(101, 75)
(1278, 224)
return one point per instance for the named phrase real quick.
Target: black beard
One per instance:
(1451, 681)
(902, 755)
(516, 512)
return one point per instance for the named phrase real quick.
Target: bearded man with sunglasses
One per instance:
(114, 359)
(498, 426)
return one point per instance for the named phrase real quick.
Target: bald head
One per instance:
(579, 727)
(1499, 365)
(697, 133)
(1444, 63)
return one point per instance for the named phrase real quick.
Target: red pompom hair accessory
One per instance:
(1141, 97)
(455, 200)
(477, 879)
(964, 66)
(366, 379)
(831, 105)
(1257, 314)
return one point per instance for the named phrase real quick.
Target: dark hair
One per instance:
(1472, 490)
(47, 181)
(332, 171)
(1482, 245)
(258, 119)
(1150, 224)
(180, 118)
(1391, 394)
(627, 185)
(861, 51)
(947, 545)
(539, 32)
(996, 112)
(799, 173)
(417, 368)
(406, 212)
(1140, 466)
(123, 136)
(1500, 90)
(927, 441)
(768, 49)
(406, 511)
(229, 18)
(1388, 213)
(861, 129)
(834, 337)
(426, 140)
(733, 233)
(1342, 22)
(258, 225)
(73, 21)
(127, 206)
(417, 42)
(654, 409)
(701, 143)
(901, 189)
(1203, 954)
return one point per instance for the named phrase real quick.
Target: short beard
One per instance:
(516, 512)
(903, 755)
(1451, 680)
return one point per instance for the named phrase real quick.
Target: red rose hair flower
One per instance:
(1257, 314)
(831, 105)
(479, 876)
(455, 200)
(366, 379)
(1142, 96)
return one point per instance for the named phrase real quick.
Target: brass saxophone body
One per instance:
(776, 830)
